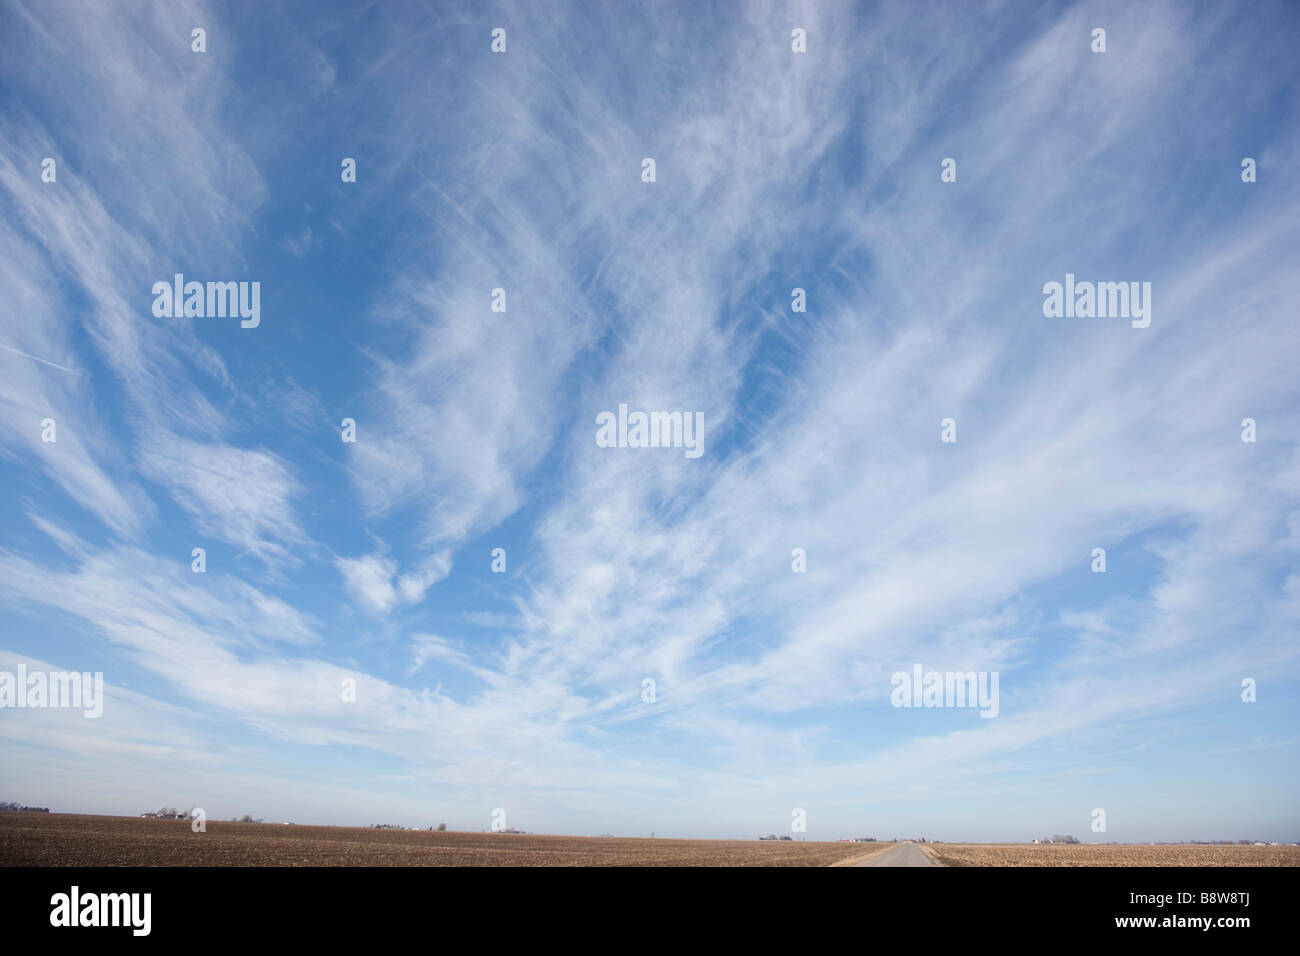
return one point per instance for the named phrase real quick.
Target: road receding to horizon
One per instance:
(906, 854)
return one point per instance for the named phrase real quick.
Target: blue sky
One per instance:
(371, 561)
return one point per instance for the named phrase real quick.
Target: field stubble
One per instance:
(1119, 854)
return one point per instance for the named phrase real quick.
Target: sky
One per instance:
(655, 656)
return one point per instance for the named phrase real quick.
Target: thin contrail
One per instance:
(38, 359)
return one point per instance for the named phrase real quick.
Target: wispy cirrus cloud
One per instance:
(475, 428)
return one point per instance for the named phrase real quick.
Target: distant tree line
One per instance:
(15, 806)
(169, 813)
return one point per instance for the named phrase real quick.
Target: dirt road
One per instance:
(909, 854)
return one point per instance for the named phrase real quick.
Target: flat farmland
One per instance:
(57, 839)
(1126, 854)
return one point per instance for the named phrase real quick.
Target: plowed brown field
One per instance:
(57, 839)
